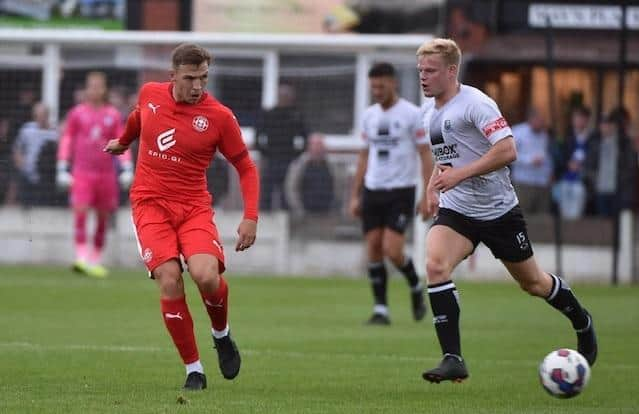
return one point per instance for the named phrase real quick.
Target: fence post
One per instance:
(626, 246)
(270, 79)
(51, 70)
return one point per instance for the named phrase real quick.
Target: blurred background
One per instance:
(565, 74)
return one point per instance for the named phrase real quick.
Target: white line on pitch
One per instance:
(283, 354)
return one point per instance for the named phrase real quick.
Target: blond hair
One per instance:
(446, 48)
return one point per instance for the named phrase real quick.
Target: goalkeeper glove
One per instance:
(63, 178)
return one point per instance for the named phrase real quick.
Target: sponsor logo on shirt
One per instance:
(445, 152)
(448, 125)
(154, 108)
(200, 123)
(166, 140)
(495, 126)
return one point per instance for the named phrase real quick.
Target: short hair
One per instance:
(581, 110)
(190, 54)
(447, 48)
(382, 69)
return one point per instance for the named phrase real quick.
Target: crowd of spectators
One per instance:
(590, 170)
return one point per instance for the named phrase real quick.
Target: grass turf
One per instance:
(70, 344)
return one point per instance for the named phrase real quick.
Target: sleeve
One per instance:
(487, 118)
(66, 140)
(234, 150)
(132, 128)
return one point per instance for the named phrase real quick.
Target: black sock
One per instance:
(378, 278)
(445, 305)
(408, 270)
(562, 299)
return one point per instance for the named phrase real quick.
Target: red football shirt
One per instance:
(177, 143)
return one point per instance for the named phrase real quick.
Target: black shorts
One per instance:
(505, 236)
(392, 209)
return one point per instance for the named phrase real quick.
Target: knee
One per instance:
(437, 270)
(395, 254)
(205, 275)
(535, 286)
(375, 250)
(169, 279)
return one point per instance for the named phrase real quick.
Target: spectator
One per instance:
(532, 171)
(281, 137)
(573, 195)
(5, 159)
(18, 115)
(611, 166)
(26, 150)
(310, 180)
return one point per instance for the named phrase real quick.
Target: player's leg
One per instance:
(377, 277)
(507, 238)
(373, 227)
(80, 239)
(397, 218)
(559, 295)
(178, 321)
(393, 247)
(445, 249)
(158, 247)
(200, 245)
(105, 202)
(80, 199)
(95, 267)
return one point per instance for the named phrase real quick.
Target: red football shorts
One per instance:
(96, 190)
(165, 230)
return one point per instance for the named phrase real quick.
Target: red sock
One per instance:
(177, 319)
(217, 305)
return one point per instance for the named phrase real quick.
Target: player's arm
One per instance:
(354, 206)
(233, 148)
(426, 159)
(498, 156)
(358, 183)
(422, 144)
(132, 129)
(63, 178)
(18, 150)
(125, 178)
(487, 118)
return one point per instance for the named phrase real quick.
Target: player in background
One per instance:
(180, 127)
(474, 201)
(91, 174)
(383, 192)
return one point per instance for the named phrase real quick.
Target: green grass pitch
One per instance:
(73, 345)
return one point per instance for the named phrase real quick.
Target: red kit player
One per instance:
(180, 127)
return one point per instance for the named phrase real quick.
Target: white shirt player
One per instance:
(392, 136)
(460, 132)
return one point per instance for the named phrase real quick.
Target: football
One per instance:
(564, 373)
